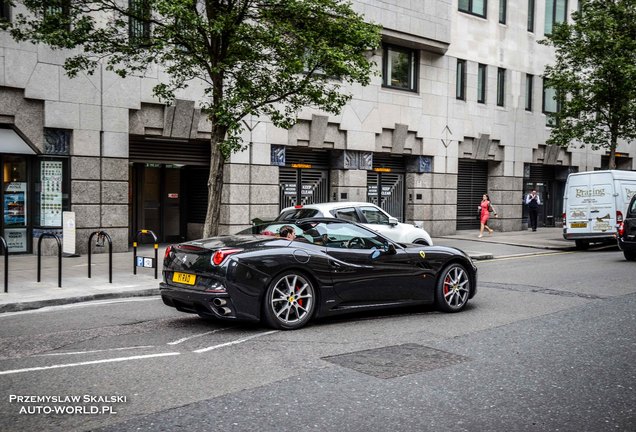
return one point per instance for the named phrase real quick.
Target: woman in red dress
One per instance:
(485, 207)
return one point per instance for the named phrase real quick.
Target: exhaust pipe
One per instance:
(219, 302)
(224, 310)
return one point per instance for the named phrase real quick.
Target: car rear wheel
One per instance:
(289, 302)
(630, 256)
(453, 288)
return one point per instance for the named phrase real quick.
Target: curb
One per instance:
(24, 306)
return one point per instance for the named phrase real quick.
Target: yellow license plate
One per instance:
(578, 225)
(184, 278)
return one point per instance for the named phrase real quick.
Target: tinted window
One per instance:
(300, 213)
(632, 208)
(348, 213)
(341, 235)
(374, 215)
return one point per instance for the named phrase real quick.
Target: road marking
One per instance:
(196, 336)
(93, 351)
(530, 255)
(81, 304)
(113, 360)
(238, 341)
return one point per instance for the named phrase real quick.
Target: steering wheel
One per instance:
(355, 243)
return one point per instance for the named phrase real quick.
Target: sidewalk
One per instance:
(26, 293)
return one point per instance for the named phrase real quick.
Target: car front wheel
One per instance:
(453, 288)
(421, 242)
(289, 302)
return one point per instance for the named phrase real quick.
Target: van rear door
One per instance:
(590, 208)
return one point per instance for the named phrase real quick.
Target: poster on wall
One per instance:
(16, 239)
(51, 195)
(14, 205)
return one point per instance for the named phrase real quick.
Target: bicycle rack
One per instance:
(143, 261)
(3, 243)
(102, 235)
(59, 256)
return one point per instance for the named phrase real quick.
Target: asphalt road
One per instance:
(548, 343)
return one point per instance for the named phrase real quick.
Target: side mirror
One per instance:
(390, 250)
(393, 221)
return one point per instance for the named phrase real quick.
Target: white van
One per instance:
(594, 203)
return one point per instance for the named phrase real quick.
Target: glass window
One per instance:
(503, 5)
(139, 21)
(374, 215)
(57, 11)
(57, 141)
(482, 76)
(349, 236)
(5, 10)
(501, 86)
(555, 13)
(475, 7)
(295, 214)
(529, 90)
(349, 214)
(531, 15)
(551, 104)
(460, 82)
(400, 68)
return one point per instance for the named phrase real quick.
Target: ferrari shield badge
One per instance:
(423, 254)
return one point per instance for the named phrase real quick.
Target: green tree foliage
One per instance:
(595, 75)
(256, 57)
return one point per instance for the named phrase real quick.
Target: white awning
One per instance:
(11, 142)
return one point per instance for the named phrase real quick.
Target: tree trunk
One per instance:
(612, 156)
(215, 186)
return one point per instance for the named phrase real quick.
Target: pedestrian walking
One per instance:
(485, 207)
(533, 202)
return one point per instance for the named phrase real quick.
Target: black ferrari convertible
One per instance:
(326, 267)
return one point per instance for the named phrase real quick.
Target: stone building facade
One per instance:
(456, 110)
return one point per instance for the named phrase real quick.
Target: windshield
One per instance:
(298, 213)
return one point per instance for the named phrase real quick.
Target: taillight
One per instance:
(221, 254)
(298, 206)
(621, 229)
(564, 223)
(167, 253)
(619, 216)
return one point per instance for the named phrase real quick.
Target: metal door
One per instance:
(472, 183)
(300, 186)
(386, 190)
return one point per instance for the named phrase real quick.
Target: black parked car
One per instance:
(627, 232)
(331, 267)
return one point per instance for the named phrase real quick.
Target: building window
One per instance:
(551, 104)
(482, 76)
(503, 5)
(399, 66)
(5, 10)
(139, 21)
(531, 16)
(529, 89)
(460, 80)
(475, 7)
(57, 12)
(501, 86)
(555, 13)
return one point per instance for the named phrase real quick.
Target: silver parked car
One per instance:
(364, 213)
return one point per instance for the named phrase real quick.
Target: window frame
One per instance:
(470, 6)
(139, 28)
(413, 67)
(503, 11)
(550, 121)
(501, 87)
(482, 83)
(529, 91)
(5, 10)
(460, 80)
(551, 9)
(531, 15)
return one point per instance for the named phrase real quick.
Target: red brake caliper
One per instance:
(446, 284)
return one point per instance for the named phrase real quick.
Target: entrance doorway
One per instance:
(157, 198)
(472, 183)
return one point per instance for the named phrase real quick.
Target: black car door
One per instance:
(360, 276)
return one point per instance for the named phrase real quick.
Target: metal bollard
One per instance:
(156, 247)
(3, 243)
(101, 235)
(59, 256)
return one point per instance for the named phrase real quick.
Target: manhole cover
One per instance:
(397, 360)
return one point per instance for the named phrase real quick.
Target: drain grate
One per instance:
(397, 360)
